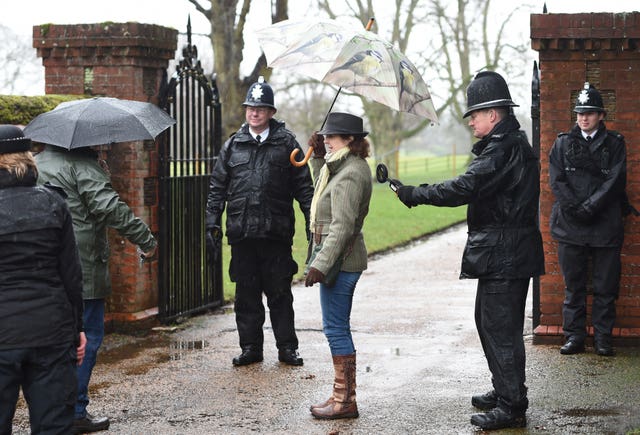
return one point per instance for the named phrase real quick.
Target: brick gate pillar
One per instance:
(603, 49)
(123, 60)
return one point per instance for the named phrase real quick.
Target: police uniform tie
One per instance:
(258, 138)
(588, 138)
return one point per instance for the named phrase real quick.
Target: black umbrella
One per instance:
(98, 121)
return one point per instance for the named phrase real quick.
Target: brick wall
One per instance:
(604, 49)
(122, 60)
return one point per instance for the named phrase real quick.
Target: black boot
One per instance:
(498, 418)
(248, 356)
(89, 423)
(603, 346)
(290, 357)
(572, 346)
(485, 401)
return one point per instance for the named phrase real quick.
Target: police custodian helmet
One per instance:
(12, 140)
(487, 89)
(259, 94)
(589, 100)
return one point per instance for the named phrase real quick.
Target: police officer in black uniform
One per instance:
(587, 172)
(254, 178)
(504, 245)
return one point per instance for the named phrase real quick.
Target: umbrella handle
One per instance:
(370, 24)
(299, 164)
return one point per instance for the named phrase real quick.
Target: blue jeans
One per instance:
(94, 330)
(336, 304)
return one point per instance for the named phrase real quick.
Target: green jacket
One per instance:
(94, 206)
(340, 213)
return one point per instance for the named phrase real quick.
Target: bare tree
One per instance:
(456, 42)
(228, 18)
(20, 65)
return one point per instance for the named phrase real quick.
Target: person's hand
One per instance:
(313, 276)
(581, 214)
(316, 141)
(151, 252)
(405, 193)
(213, 237)
(81, 348)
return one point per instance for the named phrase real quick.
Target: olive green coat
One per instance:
(340, 213)
(94, 206)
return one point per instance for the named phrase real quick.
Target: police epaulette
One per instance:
(498, 136)
(563, 133)
(615, 134)
(59, 190)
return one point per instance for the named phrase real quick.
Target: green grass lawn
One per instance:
(389, 223)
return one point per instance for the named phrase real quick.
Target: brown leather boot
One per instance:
(338, 378)
(342, 403)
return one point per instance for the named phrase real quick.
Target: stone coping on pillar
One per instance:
(104, 42)
(585, 31)
(552, 334)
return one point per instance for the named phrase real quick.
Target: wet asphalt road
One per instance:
(419, 362)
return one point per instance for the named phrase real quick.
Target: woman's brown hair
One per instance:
(358, 146)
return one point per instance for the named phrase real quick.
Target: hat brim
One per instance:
(348, 133)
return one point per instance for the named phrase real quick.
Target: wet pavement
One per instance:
(419, 362)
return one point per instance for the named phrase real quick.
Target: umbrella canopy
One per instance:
(351, 58)
(98, 121)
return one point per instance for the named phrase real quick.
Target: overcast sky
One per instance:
(24, 14)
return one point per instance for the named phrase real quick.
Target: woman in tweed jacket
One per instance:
(340, 204)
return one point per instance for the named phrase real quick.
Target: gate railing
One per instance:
(189, 282)
(535, 139)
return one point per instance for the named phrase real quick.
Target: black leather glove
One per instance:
(581, 214)
(316, 141)
(213, 238)
(395, 184)
(405, 193)
(313, 276)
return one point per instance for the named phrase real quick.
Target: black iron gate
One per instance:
(188, 281)
(535, 140)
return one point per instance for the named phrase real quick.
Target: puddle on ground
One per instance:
(586, 412)
(179, 348)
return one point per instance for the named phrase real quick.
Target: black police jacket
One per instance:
(588, 181)
(40, 273)
(501, 187)
(258, 184)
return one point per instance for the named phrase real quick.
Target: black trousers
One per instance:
(606, 268)
(499, 315)
(48, 379)
(257, 267)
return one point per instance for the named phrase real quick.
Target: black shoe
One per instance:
(289, 356)
(604, 348)
(90, 424)
(485, 401)
(498, 418)
(248, 356)
(572, 346)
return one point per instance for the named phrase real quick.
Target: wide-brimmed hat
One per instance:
(12, 140)
(343, 123)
